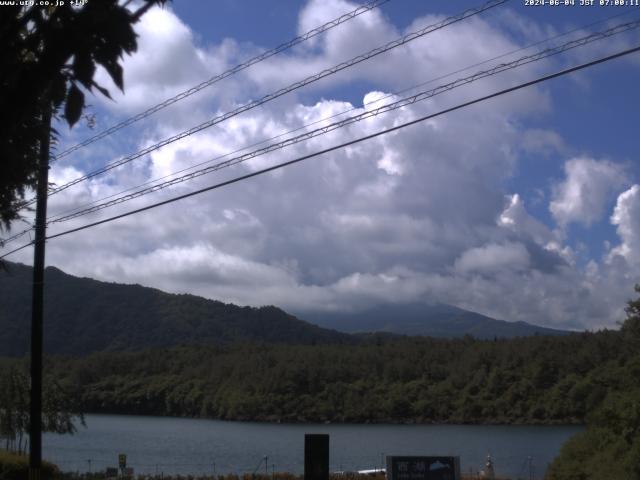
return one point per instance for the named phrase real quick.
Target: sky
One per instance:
(524, 207)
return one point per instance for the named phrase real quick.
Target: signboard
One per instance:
(122, 461)
(423, 468)
(316, 456)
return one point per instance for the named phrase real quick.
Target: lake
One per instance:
(192, 446)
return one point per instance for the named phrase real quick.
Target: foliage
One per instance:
(57, 409)
(16, 467)
(533, 380)
(631, 326)
(49, 56)
(610, 447)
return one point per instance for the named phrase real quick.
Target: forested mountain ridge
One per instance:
(83, 315)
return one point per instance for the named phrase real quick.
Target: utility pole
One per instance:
(35, 414)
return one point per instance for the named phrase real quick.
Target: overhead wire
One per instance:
(344, 112)
(342, 145)
(227, 73)
(4, 241)
(72, 213)
(84, 208)
(272, 96)
(421, 96)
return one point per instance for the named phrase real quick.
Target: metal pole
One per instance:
(35, 419)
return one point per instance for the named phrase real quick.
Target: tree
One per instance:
(610, 446)
(48, 59)
(60, 409)
(631, 326)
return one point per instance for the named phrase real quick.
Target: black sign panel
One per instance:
(423, 468)
(316, 456)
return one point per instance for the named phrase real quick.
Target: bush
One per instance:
(16, 467)
(609, 448)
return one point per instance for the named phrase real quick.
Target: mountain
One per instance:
(83, 315)
(439, 320)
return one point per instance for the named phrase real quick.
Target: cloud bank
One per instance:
(419, 214)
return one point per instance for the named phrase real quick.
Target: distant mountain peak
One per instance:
(425, 319)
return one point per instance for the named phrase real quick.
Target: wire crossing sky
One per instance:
(232, 71)
(283, 91)
(358, 140)
(524, 207)
(549, 51)
(421, 96)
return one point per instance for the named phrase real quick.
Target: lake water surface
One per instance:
(178, 445)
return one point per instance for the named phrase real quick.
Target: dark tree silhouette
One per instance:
(631, 325)
(60, 408)
(48, 56)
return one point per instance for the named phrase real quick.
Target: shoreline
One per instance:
(390, 422)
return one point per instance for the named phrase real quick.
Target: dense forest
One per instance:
(534, 380)
(610, 446)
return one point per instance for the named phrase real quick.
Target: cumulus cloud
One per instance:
(516, 218)
(626, 218)
(420, 214)
(493, 258)
(583, 195)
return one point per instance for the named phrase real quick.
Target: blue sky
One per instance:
(595, 121)
(523, 208)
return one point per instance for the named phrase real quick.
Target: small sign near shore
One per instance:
(423, 468)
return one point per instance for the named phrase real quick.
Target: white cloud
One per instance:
(544, 142)
(414, 215)
(626, 218)
(493, 258)
(516, 218)
(583, 195)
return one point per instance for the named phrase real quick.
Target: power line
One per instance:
(344, 112)
(4, 241)
(78, 209)
(342, 145)
(232, 71)
(272, 96)
(421, 96)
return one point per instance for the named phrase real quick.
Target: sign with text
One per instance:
(423, 468)
(122, 460)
